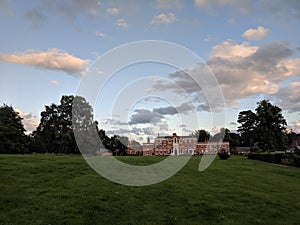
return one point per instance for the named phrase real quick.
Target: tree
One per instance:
(105, 140)
(118, 145)
(12, 133)
(85, 128)
(55, 133)
(223, 135)
(270, 126)
(266, 126)
(248, 120)
(234, 140)
(202, 135)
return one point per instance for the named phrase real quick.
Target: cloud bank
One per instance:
(243, 70)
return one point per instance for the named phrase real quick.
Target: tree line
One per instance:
(263, 129)
(55, 132)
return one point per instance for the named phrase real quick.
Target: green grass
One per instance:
(50, 189)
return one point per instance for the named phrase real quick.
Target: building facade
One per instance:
(177, 145)
(174, 145)
(211, 147)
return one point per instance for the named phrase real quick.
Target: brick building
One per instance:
(211, 147)
(177, 145)
(174, 145)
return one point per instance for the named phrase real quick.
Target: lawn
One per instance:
(52, 189)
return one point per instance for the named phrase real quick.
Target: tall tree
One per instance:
(55, 131)
(248, 120)
(84, 127)
(12, 132)
(202, 135)
(265, 127)
(271, 126)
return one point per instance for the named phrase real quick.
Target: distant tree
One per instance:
(202, 135)
(227, 136)
(248, 120)
(223, 135)
(105, 140)
(118, 145)
(271, 126)
(12, 133)
(291, 136)
(234, 140)
(55, 131)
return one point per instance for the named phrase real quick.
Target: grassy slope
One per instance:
(46, 189)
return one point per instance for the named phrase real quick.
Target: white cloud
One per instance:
(54, 82)
(113, 11)
(169, 4)
(163, 19)
(53, 59)
(29, 120)
(101, 34)
(122, 23)
(256, 34)
(230, 49)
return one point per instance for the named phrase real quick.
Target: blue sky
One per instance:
(251, 47)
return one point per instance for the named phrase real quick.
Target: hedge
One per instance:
(278, 158)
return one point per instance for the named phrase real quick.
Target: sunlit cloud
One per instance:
(122, 23)
(54, 82)
(53, 59)
(242, 70)
(100, 34)
(113, 11)
(163, 19)
(256, 34)
(29, 120)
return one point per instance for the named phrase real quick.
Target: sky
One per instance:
(250, 48)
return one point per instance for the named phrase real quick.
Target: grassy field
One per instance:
(49, 189)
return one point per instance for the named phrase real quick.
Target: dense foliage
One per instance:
(54, 133)
(266, 127)
(12, 133)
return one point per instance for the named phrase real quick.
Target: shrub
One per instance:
(266, 157)
(223, 154)
(256, 149)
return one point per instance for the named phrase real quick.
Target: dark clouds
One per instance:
(144, 116)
